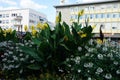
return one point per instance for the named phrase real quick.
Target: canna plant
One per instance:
(53, 47)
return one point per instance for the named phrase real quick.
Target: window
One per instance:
(3, 22)
(0, 21)
(7, 15)
(108, 15)
(0, 15)
(96, 16)
(7, 21)
(86, 16)
(3, 15)
(114, 27)
(91, 16)
(13, 15)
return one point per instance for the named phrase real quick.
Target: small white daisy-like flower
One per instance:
(2, 56)
(6, 54)
(87, 54)
(110, 55)
(78, 58)
(115, 62)
(5, 59)
(69, 65)
(32, 61)
(99, 70)
(89, 78)
(79, 48)
(30, 45)
(100, 56)
(27, 56)
(21, 71)
(22, 59)
(104, 49)
(79, 70)
(118, 72)
(10, 52)
(108, 76)
(21, 54)
(90, 64)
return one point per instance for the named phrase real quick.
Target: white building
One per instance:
(18, 18)
(106, 13)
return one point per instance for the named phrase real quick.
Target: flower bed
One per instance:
(59, 54)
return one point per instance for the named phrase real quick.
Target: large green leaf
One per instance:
(67, 31)
(34, 67)
(31, 52)
(36, 41)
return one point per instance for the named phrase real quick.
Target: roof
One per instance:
(90, 3)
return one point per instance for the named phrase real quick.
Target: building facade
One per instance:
(18, 18)
(105, 13)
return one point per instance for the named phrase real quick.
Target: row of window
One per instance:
(7, 15)
(101, 15)
(4, 21)
(94, 7)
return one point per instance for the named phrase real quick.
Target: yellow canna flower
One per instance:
(32, 27)
(65, 38)
(45, 25)
(93, 26)
(57, 19)
(39, 25)
(34, 32)
(83, 35)
(9, 30)
(4, 34)
(99, 41)
(25, 28)
(80, 13)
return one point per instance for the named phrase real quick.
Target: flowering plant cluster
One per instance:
(61, 54)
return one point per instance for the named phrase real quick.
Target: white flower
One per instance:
(108, 76)
(69, 65)
(104, 49)
(26, 44)
(67, 59)
(32, 61)
(88, 64)
(22, 59)
(78, 58)
(87, 54)
(118, 72)
(11, 66)
(2, 56)
(27, 56)
(11, 48)
(79, 70)
(6, 54)
(10, 52)
(21, 54)
(99, 70)
(17, 66)
(5, 59)
(100, 56)
(30, 45)
(21, 71)
(89, 78)
(115, 62)
(17, 47)
(110, 55)
(79, 48)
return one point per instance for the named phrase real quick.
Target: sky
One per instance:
(43, 6)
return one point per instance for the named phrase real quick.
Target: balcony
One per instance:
(18, 18)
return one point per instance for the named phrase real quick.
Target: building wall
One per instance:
(107, 14)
